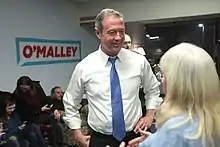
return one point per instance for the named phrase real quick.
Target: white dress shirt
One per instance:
(92, 77)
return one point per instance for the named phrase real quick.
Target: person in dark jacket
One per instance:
(57, 120)
(16, 132)
(30, 99)
(31, 102)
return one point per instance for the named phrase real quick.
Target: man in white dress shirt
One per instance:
(95, 76)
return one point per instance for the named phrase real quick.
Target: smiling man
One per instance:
(111, 86)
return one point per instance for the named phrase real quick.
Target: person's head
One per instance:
(10, 107)
(7, 104)
(57, 93)
(191, 84)
(27, 91)
(110, 30)
(24, 84)
(127, 42)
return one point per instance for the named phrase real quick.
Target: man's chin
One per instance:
(112, 50)
(116, 50)
(117, 46)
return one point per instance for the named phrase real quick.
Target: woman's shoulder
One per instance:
(182, 124)
(174, 132)
(181, 128)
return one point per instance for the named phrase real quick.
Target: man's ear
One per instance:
(98, 33)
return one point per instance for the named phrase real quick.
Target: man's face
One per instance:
(127, 42)
(112, 35)
(58, 94)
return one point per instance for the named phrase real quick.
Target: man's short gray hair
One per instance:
(105, 13)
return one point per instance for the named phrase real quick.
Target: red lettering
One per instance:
(27, 51)
(62, 52)
(68, 51)
(50, 52)
(56, 52)
(41, 51)
(74, 48)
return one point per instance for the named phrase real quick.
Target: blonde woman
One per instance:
(190, 114)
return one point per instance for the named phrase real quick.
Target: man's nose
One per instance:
(118, 36)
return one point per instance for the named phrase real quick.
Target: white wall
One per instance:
(138, 10)
(59, 19)
(52, 19)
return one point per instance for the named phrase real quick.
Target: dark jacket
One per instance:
(29, 112)
(11, 126)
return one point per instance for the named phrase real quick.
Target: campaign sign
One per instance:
(35, 51)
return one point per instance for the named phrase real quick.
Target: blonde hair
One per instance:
(192, 87)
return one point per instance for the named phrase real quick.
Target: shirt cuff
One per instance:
(73, 123)
(154, 103)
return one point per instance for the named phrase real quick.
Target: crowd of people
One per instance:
(25, 110)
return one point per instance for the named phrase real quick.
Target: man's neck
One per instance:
(58, 98)
(107, 53)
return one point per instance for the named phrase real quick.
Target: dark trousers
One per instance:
(14, 143)
(26, 137)
(29, 136)
(101, 140)
(57, 129)
(36, 138)
(11, 143)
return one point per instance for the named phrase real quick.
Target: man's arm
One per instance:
(72, 98)
(152, 100)
(151, 88)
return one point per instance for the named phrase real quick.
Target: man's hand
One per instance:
(145, 122)
(121, 145)
(56, 114)
(81, 139)
(135, 142)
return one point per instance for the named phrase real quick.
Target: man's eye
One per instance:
(122, 32)
(112, 32)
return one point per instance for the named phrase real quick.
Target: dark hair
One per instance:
(31, 97)
(5, 99)
(53, 89)
(24, 80)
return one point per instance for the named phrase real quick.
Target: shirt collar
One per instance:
(105, 57)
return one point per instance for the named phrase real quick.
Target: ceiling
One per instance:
(86, 1)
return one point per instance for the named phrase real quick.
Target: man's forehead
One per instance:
(112, 21)
(58, 89)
